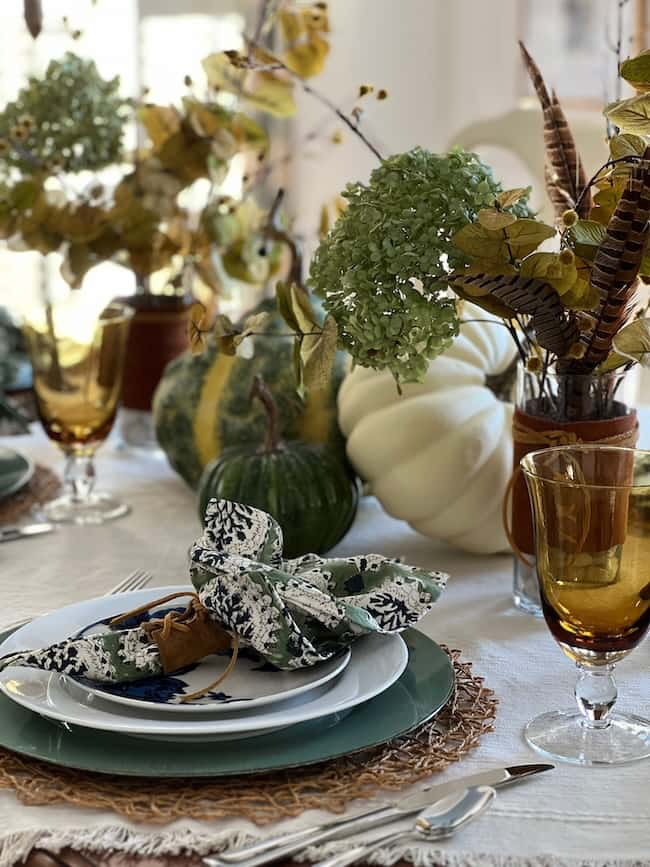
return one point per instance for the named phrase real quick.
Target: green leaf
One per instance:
(317, 353)
(630, 115)
(626, 144)
(490, 218)
(633, 342)
(586, 237)
(636, 71)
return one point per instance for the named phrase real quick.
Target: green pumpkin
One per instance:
(202, 404)
(309, 491)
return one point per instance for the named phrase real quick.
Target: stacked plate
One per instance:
(258, 719)
(15, 471)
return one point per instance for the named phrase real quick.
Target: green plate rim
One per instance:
(108, 744)
(24, 478)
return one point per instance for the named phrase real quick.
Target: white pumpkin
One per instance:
(440, 455)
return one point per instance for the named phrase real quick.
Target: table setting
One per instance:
(301, 585)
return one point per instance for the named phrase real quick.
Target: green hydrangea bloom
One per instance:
(70, 119)
(381, 270)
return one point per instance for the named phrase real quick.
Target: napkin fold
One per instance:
(294, 613)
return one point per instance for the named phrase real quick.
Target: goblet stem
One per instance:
(79, 476)
(596, 694)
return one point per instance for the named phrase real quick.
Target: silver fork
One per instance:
(135, 581)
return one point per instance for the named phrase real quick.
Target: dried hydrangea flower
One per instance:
(381, 270)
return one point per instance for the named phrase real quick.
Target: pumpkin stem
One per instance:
(260, 390)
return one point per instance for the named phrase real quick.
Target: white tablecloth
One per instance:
(570, 814)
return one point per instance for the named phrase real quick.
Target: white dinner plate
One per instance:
(252, 683)
(376, 662)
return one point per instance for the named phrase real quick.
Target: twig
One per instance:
(320, 97)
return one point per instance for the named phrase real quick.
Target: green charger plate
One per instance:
(15, 471)
(422, 691)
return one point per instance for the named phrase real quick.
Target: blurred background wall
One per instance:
(451, 69)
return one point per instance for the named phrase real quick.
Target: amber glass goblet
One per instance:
(77, 354)
(591, 506)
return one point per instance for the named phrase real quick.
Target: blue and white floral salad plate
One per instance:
(376, 662)
(253, 682)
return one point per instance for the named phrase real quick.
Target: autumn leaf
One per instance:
(508, 198)
(636, 71)
(317, 353)
(561, 275)
(269, 91)
(514, 241)
(626, 145)
(160, 122)
(490, 218)
(253, 325)
(306, 48)
(630, 115)
(586, 237)
(198, 329)
(633, 342)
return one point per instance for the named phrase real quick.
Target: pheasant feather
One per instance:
(566, 181)
(617, 264)
(554, 329)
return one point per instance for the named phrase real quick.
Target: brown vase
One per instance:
(564, 410)
(159, 333)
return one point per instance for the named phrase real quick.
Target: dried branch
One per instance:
(564, 172)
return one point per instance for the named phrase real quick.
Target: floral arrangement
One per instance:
(429, 231)
(68, 185)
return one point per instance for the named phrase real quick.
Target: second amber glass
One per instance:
(77, 355)
(591, 507)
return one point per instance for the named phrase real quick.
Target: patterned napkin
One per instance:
(295, 613)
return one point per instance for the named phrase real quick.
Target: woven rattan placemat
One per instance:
(268, 798)
(44, 485)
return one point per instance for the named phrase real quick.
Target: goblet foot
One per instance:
(567, 737)
(96, 508)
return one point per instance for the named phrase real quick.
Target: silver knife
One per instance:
(283, 845)
(24, 531)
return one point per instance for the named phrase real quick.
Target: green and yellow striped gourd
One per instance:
(202, 404)
(310, 492)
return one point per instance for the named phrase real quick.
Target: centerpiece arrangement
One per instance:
(430, 233)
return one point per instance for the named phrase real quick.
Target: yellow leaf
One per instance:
(475, 240)
(514, 241)
(625, 145)
(324, 223)
(317, 353)
(307, 58)
(269, 91)
(490, 218)
(630, 115)
(633, 342)
(160, 121)
(550, 268)
(508, 198)
(636, 71)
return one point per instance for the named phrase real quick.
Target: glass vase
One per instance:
(553, 408)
